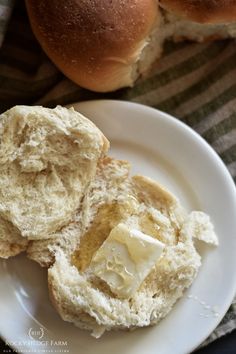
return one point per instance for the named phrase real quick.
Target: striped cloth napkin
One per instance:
(194, 82)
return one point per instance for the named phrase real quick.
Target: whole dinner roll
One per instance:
(104, 45)
(94, 43)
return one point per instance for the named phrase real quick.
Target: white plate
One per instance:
(163, 148)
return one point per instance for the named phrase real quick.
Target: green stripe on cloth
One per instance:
(229, 155)
(22, 87)
(210, 107)
(8, 3)
(5, 12)
(221, 128)
(185, 67)
(18, 63)
(171, 47)
(22, 40)
(201, 86)
(3, 22)
(76, 96)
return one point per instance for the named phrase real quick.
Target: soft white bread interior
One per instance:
(11, 241)
(105, 45)
(87, 301)
(109, 181)
(47, 159)
(61, 197)
(177, 28)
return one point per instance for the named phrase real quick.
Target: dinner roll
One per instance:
(203, 11)
(109, 182)
(95, 43)
(115, 201)
(48, 158)
(11, 241)
(104, 45)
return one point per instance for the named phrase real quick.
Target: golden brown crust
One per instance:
(104, 45)
(150, 191)
(93, 41)
(203, 11)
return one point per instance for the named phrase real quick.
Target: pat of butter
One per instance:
(125, 259)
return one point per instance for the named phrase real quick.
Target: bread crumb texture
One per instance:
(140, 203)
(61, 196)
(47, 160)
